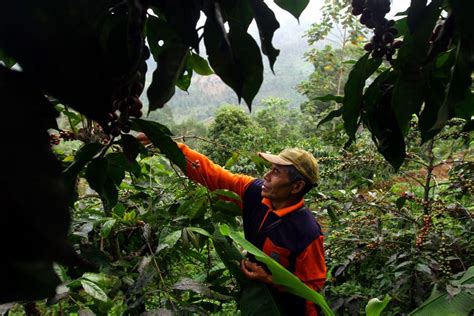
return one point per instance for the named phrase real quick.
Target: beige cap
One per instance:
(302, 160)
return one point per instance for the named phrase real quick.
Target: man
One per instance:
(275, 218)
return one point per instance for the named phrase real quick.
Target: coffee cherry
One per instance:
(369, 47)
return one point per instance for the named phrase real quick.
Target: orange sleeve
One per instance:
(311, 269)
(310, 265)
(212, 175)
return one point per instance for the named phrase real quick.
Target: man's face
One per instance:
(277, 186)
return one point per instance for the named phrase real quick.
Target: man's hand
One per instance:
(255, 272)
(142, 138)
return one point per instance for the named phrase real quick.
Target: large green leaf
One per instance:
(295, 7)
(94, 290)
(200, 65)
(280, 275)
(159, 135)
(267, 25)
(353, 92)
(375, 306)
(442, 304)
(255, 297)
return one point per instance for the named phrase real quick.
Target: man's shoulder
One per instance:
(254, 189)
(305, 222)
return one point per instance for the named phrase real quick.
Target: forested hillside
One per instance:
(206, 93)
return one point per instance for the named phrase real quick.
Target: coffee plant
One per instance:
(94, 221)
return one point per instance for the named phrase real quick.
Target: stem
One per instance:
(429, 174)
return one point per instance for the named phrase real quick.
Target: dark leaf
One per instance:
(170, 65)
(200, 65)
(183, 21)
(96, 174)
(184, 81)
(237, 13)
(240, 65)
(331, 97)
(116, 173)
(83, 156)
(110, 193)
(459, 93)
(330, 116)
(119, 160)
(353, 92)
(159, 35)
(295, 7)
(381, 121)
(469, 126)
(131, 147)
(409, 92)
(439, 74)
(267, 25)
(227, 207)
(256, 299)
(400, 202)
(465, 108)
(160, 137)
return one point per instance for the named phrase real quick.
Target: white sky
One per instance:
(312, 13)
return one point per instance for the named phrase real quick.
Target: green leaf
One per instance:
(159, 135)
(94, 290)
(227, 193)
(440, 303)
(295, 7)
(256, 299)
(193, 208)
(184, 81)
(171, 239)
(227, 207)
(238, 65)
(280, 275)
(107, 227)
(267, 25)
(423, 268)
(375, 306)
(199, 231)
(353, 92)
(200, 65)
(7, 61)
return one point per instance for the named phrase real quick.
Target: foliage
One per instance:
(430, 77)
(106, 41)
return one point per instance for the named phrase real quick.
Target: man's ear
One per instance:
(298, 186)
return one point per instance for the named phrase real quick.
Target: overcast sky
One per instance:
(312, 13)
